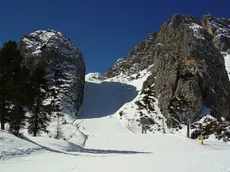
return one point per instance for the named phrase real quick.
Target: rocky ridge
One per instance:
(188, 75)
(189, 72)
(219, 28)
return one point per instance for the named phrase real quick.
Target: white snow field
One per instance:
(111, 146)
(11, 145)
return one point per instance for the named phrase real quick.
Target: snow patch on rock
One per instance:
(227, 64)
(94, 77)
(196, 29)
(38, 40)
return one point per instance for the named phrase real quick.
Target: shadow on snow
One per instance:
(73, 149)
(109, 151)
(103, 99)
(54, 150)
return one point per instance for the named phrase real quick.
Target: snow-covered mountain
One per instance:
(174, 75)
(158, 79)
(187, 73)
(114, 143)
(63, 63)
(65, 74)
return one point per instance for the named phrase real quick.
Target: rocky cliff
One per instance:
(63, 63)
(188, 73)
(219, 28)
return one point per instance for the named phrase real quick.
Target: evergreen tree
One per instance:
(19, 98)
(21, 87)
(59, 133)
(10, 83)
(17, 119)
(56, 102)
(38, 121)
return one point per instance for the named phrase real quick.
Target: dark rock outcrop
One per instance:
(208, 126)
(219, 28)
(60, 57)
(188, 70)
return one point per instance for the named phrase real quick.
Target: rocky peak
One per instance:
(39, 43)
(219, 28)
(188, 72)
(142, 55)
(187, 69)
(50, 48)
(178, 19)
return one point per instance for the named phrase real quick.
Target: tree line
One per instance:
(22, 90)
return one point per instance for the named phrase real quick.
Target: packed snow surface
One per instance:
(112, 147)
(11, 145)
(122, 151)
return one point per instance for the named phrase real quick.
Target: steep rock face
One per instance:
(63, 63)
(189, 72)
(219, 28)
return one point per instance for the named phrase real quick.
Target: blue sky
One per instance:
(104, 30)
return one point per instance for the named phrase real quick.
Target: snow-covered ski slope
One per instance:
(11, 145)
(129, 153)
(111, 147)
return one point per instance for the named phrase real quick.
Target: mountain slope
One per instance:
(160, 157)
(116, 106)
(187, 69)
(111, 147)
(105, 98)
